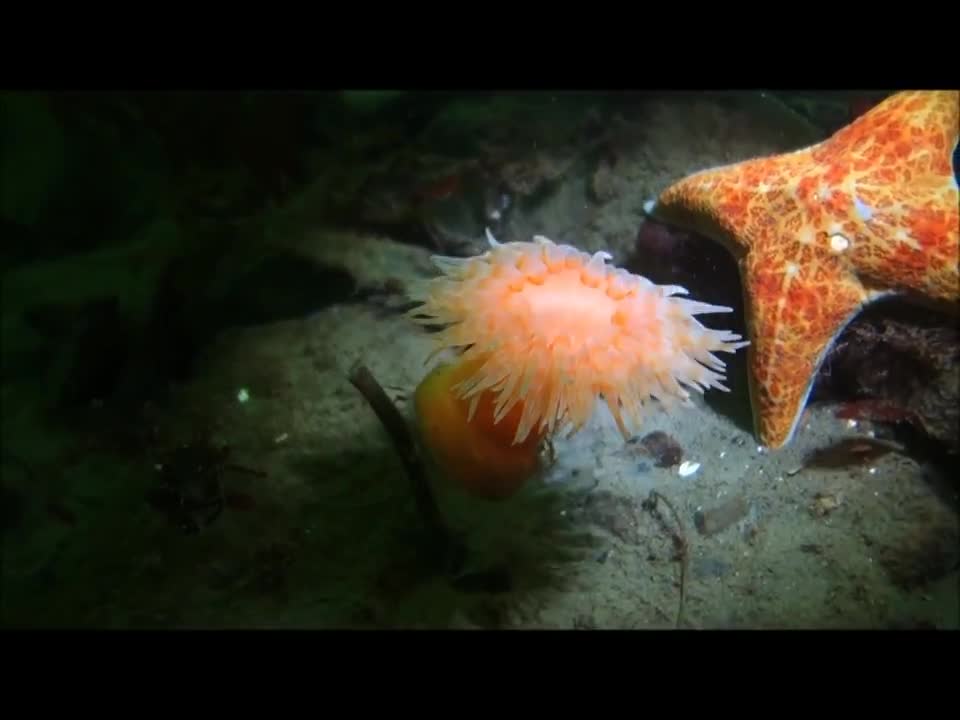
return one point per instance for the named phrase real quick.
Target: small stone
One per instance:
(665, 450)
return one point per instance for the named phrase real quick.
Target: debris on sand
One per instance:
(719, 518)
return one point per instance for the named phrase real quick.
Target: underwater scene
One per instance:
(517, 360)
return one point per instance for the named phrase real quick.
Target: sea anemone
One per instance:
(552, 328)
(472, 450)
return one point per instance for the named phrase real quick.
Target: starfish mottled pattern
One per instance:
(821, 232)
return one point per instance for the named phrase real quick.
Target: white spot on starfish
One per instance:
(839, 243)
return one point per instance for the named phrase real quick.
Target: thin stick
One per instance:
(681, 538)
(396, 427)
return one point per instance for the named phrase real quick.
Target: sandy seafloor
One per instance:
(329, 540)
(579, 547)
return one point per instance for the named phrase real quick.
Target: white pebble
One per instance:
(688, 468)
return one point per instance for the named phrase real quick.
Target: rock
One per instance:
(664, 449)
(921, 545)
(903, 362)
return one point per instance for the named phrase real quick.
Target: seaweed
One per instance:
(680, 540)
(438, 534)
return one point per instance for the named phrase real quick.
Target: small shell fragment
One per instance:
(688, 468)
(719, 518)
(825, 503)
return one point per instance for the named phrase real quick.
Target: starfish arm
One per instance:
(821, 231)
(795, 317)
(887, 182)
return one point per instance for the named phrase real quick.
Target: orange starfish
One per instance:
(821, 232)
